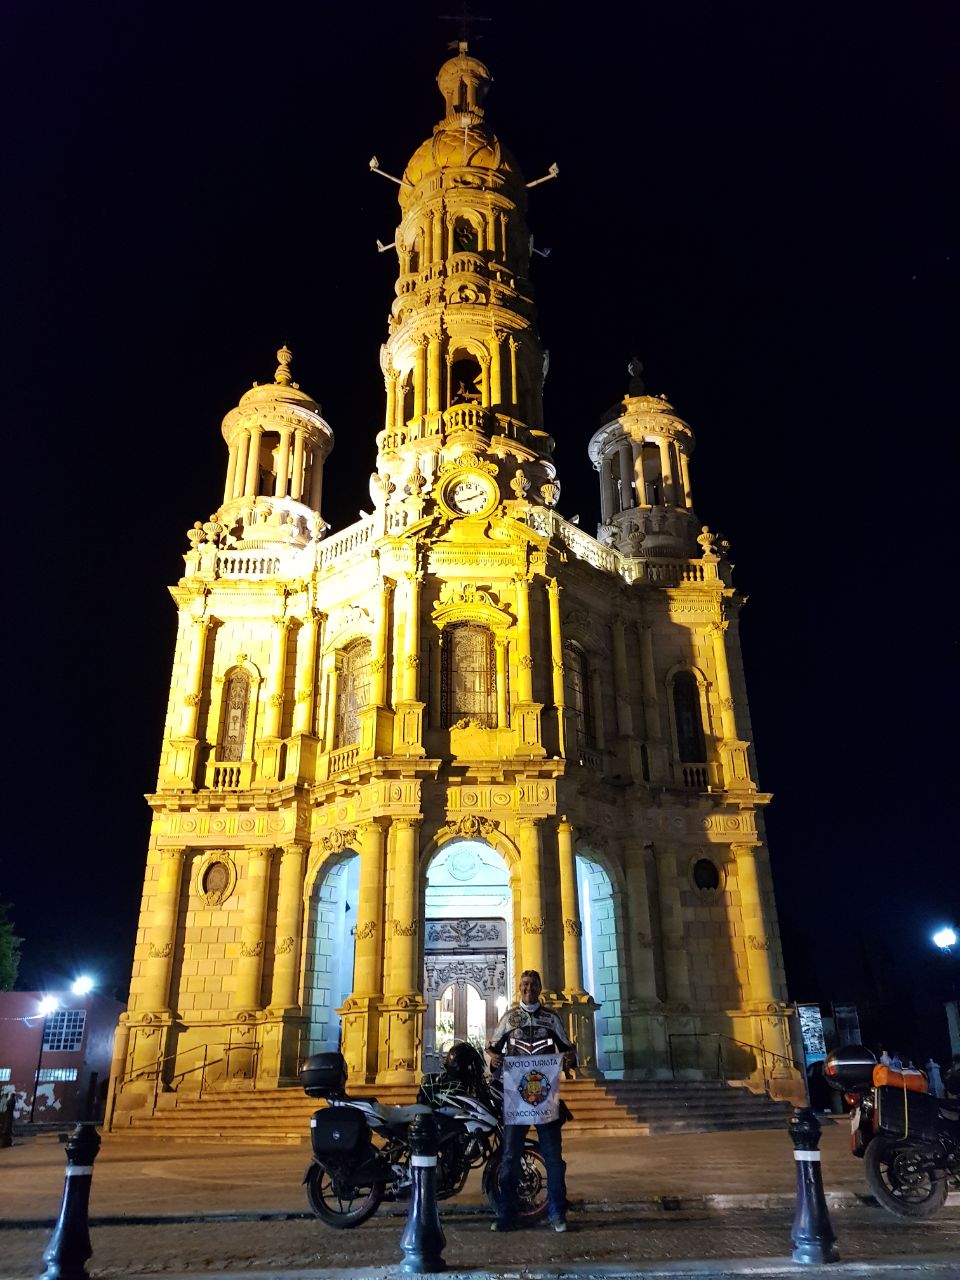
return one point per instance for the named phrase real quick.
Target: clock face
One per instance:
(469, 494)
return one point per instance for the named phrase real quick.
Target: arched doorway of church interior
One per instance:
(328, 965)
(600, 956)
(467, 946)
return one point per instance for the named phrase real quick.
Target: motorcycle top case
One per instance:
(850, 1067)
(338, 1131)
(322, 1074)
(904, 1114)
(915, 1081)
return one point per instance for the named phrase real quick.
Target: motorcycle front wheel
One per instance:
(338, 1202)
(532, 1190)
(904, 1179)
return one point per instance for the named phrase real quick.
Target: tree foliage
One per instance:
(9, 950)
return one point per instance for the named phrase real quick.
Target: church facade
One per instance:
(462, 737)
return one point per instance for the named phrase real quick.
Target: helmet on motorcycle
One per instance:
(464, 1064)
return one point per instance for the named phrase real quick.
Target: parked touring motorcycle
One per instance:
(908, 1139)
(361, 1150)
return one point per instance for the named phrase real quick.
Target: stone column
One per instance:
(420, 375)
(524, 660)
(638, 482)
(651, 696)
(231, 472)
(503, 711)
(306, 675)
(643, 974)
(685, 479)
(286, 962)
(411, 669)
(666, 473)
(556, 655)
(277, 678)
(368, 938)
(296, 478)
(596, 708)
(626, 476)
(253, 463)
(404, 945)
(436, 250)
(316, 478)
(390, 384)
(570, 910)
(496, 368)
(250, 962)
(514, 399)
(378, 663)
(435, 710)
(161, 931)
(621, 679)
(194, 691)
(757, 935)
(434, 361)
(606, 489)
(330, 726)
(533, 919)
(283, 463)
(485, 381)
(676, 968)
(728, 719)
(240, 472)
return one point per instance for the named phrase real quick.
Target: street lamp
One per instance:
(945, 938)
(83, 985)
(44, 1008)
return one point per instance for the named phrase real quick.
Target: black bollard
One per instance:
(423, 1239)
(69, 1248)
(812, 1234)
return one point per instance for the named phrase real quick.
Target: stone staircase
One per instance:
(600, 1107)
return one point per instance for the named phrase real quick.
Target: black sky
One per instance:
(756, 198)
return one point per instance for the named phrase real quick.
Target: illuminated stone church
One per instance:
(406, 759)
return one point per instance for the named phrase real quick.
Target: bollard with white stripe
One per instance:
(423, 1239)
(812, 1234)
(69, 1248)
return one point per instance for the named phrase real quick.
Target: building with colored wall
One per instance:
(462, 737)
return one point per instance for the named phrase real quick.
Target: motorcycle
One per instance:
(361, 1148)
(908, 1139)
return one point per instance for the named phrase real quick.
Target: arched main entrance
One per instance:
(328, 965)
(600, 954)
(468, 946)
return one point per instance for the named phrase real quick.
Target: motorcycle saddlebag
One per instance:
(902, 1113)
(913, 1080)
(323, 1074)
(338, 1131)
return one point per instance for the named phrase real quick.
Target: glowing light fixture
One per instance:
(945, 938)
(82, 985)
(47, 1005)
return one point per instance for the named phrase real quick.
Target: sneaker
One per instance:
(503, 1224)
(559, 1224)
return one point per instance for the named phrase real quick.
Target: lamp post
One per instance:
(946, 939)
(44, 1008)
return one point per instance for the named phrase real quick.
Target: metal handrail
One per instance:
(720, 1037)
(155, 1071)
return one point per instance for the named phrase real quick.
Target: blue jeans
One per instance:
(550, 1148)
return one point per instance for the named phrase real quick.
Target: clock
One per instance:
(468, 493)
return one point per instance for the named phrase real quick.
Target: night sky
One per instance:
(755, 198)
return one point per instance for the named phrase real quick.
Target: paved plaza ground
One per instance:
(640, 1204)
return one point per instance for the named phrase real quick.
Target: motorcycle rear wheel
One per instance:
(533, 1184)
(331, 1200)
(904, 1181)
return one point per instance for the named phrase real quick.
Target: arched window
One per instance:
(353, 692)
(466, 381)
(236, 704)
(576, 694)
(691, 746)
(469, 684)
(465, 237)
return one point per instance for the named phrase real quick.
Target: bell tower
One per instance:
(463, 364)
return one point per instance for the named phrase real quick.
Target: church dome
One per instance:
(274, 404)
(462, 139)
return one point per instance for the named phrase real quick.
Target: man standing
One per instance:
(530, 1029)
